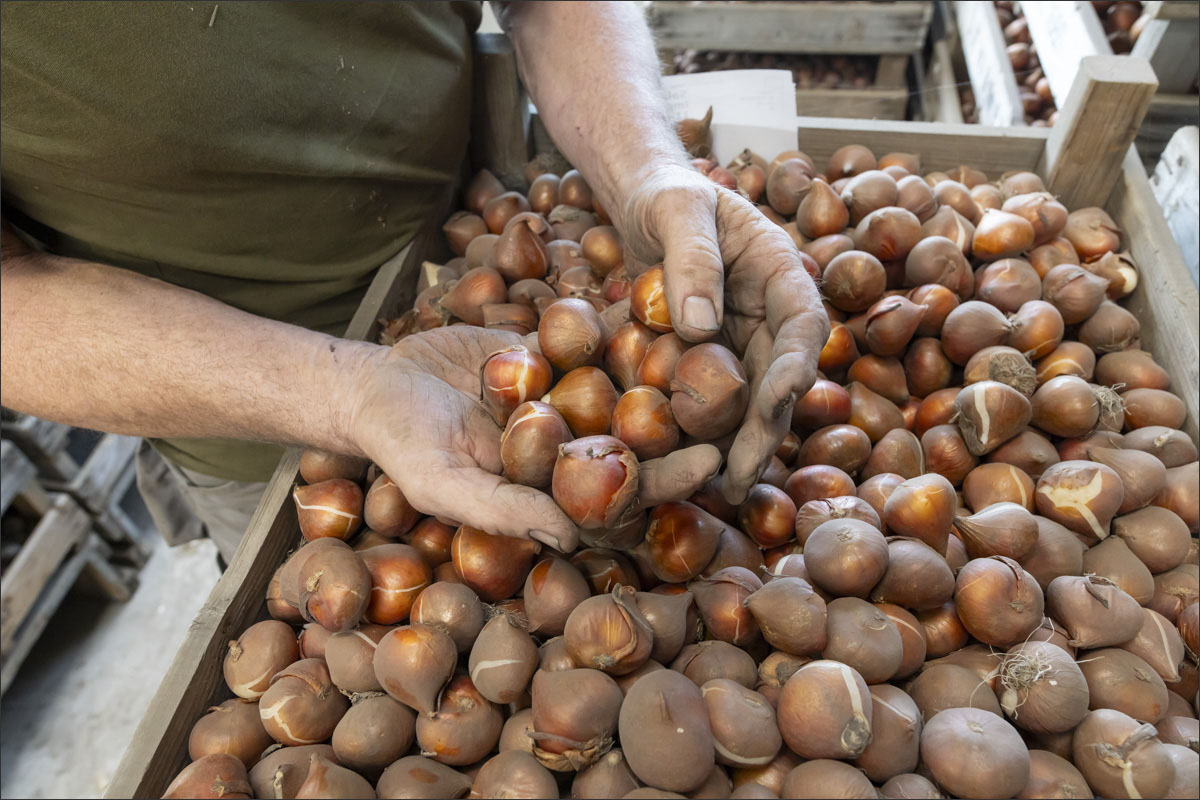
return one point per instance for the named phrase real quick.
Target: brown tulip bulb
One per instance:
(947, 453)
(824, 249)
(998, 601)
(609, 633)
(585, 397)
(1080, 495)
(520, 252)
(888, 233)
(922, 508)
(1004, 365)
(648, 302)
(1074, 291)
(642, 419)
(511, 376)
(826, 403)
(530, 442)
(595, 481)
(821, 212)
(398, 575)
(625, 351)
(1065, 406)
(787, 184)
(854, 281)
(571, 334)
(867, 192)
(493, 566)
(602, 248)
(709, 392)
(1092, 232)
(681, 538)
(1047, 216)
(1110, 328)
(1037, 329)
(1069, 358)
(1001, 234)
(989, 414)
(891, 323)
(938, 301)
(840, 349)
(331, 508)
(971, 327)
(954, 195)
(949, 224)
(843, 446)
(1008, 284)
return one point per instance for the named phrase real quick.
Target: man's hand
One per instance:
(729, 269)
(417, 415)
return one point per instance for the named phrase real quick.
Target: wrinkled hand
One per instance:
(417, 414)
(733, 275)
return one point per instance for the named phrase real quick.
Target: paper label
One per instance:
(754, 108)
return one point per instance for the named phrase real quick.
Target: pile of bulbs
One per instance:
(970, 569)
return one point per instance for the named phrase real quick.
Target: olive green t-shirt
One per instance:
(269, 154)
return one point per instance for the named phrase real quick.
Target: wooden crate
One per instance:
(1070, 31)
(990, 71)
(62, 549)
(1165, 302)
(895, 31)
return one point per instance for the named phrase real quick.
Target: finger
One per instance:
(491, 503)
(693, 271)
(677, 476)
(760, 435)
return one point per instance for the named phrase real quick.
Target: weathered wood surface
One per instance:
(852, 103)
(991, 73)
(1176, 185)
(811, 27)
(1096, 125)
(939, 100)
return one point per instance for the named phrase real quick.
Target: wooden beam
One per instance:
(1096, 126)
(499, 115)
(1064, 33)
(1172, 9)
(940, 101)
(18, 471)
(991, 72)
(56, 534)
(1173, 48)
(798, 27)
(1176, 185)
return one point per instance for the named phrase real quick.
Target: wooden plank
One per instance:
(1172, 9)
(43, 442)
(101, 578)
(1165, 301)
(194, 681)
(500, 100)
(939, 100)
(56, 534)
(852, 103)
(1096, 125)
(1065, 33)
(942, 147)
(41, 613)
(890, 72)
(1173, 48)
(1168, 113)
(812, 27)
(991, 73)
(103, 470)
(1176, 186)
(18, 471)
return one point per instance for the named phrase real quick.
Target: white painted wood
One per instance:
(1176, 186)
(991, 73)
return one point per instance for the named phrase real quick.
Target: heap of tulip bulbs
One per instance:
(969, 570)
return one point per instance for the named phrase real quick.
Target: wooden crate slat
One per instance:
(812, 27)
(47, 603)
(940, 101)
(1176, 185)
(991, 72)
(44, 443)
(941, 146)
(1173, 48)
(104, 468)
(852, 103)
(64, 526)
(18, 471)
(1172, 9)
(1067, 32)
(1165, 301)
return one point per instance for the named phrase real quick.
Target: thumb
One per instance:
(693, 272)
(493, 504)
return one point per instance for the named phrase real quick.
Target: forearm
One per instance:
(593, 74)
(105, 348)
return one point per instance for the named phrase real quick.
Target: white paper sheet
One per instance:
(754, 108)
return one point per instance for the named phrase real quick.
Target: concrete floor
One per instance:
(71, 712)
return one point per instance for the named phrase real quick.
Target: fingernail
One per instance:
(699, 313)
(545, 539)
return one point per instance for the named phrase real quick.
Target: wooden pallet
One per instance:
(1165, 302)
(43, 442)
(990, 71)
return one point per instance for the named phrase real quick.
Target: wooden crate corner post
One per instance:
(500, 111)
(1096, 126)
